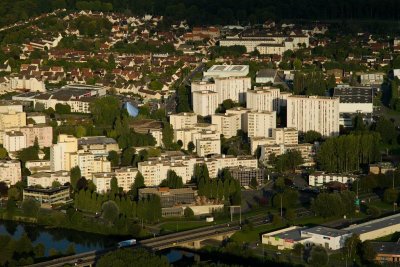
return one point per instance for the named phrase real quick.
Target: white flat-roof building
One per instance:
(205, 102)
(10, 171)
(243, 116)
(320, 114)
(125, 177)
(320, 178)
(263, 99)
(14, 141)
(328, 238)
(46, 179)
(261, 123)
(227, 71)
(183, 120)
(208, 146)
(227, 124)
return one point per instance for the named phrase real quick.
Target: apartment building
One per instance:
(233, 88)
(89, 163)
(98, 145)
(46, 179)
(205, 102)
(261, 123)
(170, 197)
(243, 116)
(183, 120)
(14, 141)
(10, 171)
(40, 165)
(60, 153)
(306, 151)
(263, 99)
(227, 124)
(42, 132)
(224, 71)
(48, 196)
(11, 120)
(246, 174)
(321, 178)
(208, 146)
(286, 136)
(316, 113)
(200, 131)
(125, 177)
(155, 169)
(255, 142)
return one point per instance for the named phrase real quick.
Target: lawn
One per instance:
(253, 235)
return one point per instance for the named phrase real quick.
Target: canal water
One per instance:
(60, 239)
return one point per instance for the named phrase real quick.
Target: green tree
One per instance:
(168, 136)
(80, 131)
(110, 211)
(367, 252)
(253, 182)
(188, 212)
(63, 109)
(191, 147)
(70, 249)
(137, 184)
(387, 130)
(113, 157)
(312, 136)
(172, 181)
(55, 184)
(139, 258)
(318, 256)
(105, 110)
(114, 185)
(14, 193)
(3, 153)
(30, 207)
(390, 195)
(75, 175)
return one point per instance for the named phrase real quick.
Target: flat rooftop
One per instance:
(374, 224)
(321, 230)
(266, 73)
(228, 68)
(294, 235)
(94, 140)
(354, 94)
(392, 248)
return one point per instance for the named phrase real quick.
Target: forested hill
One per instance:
(215, 11)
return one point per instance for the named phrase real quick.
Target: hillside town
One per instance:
(285, 135)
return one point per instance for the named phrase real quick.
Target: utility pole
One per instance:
(281, 207)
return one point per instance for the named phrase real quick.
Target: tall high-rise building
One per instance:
(261, 123)
(183, 120)
(316, 113)
(227, 124)
(205, 102)
(263, 99)
(60, 159)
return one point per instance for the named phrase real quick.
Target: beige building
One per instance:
(243, 116)
(125, 177)
(205, 102)
(286, 136)
(89, 163)
(306, 151)
(11, 120)
(35, 166)
(227, 124)
(233, 88)
(46, 179)
(14, 141)
(10, 171)
(42, 132)
(155, 169)
(208, 146)
(201, 131)
(60, 152)
(98, 145)
(261, 123)
(255, 142)
(183, 120)
(316, 113)
(263, 99)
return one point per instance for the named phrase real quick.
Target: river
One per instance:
(60, 239)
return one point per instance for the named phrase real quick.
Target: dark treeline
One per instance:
(214, 12)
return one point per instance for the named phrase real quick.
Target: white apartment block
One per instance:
(14, 141)
(183, 120)
(255, 142)
(60, 153)
(125, 177)
(306, 151)
(42, 132)
(263, 99)
(261, 123)
(10, 171)
(208, 146)
(155, 169)
(89, 163)
(46, 179)
(286, 136)
(320, 114)
(243, 116)
(227, 124)
(320, 178)
(193, 134)
(233, 88)
(205, 102)
(251, 43)
(224, 71)
(35, 166)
